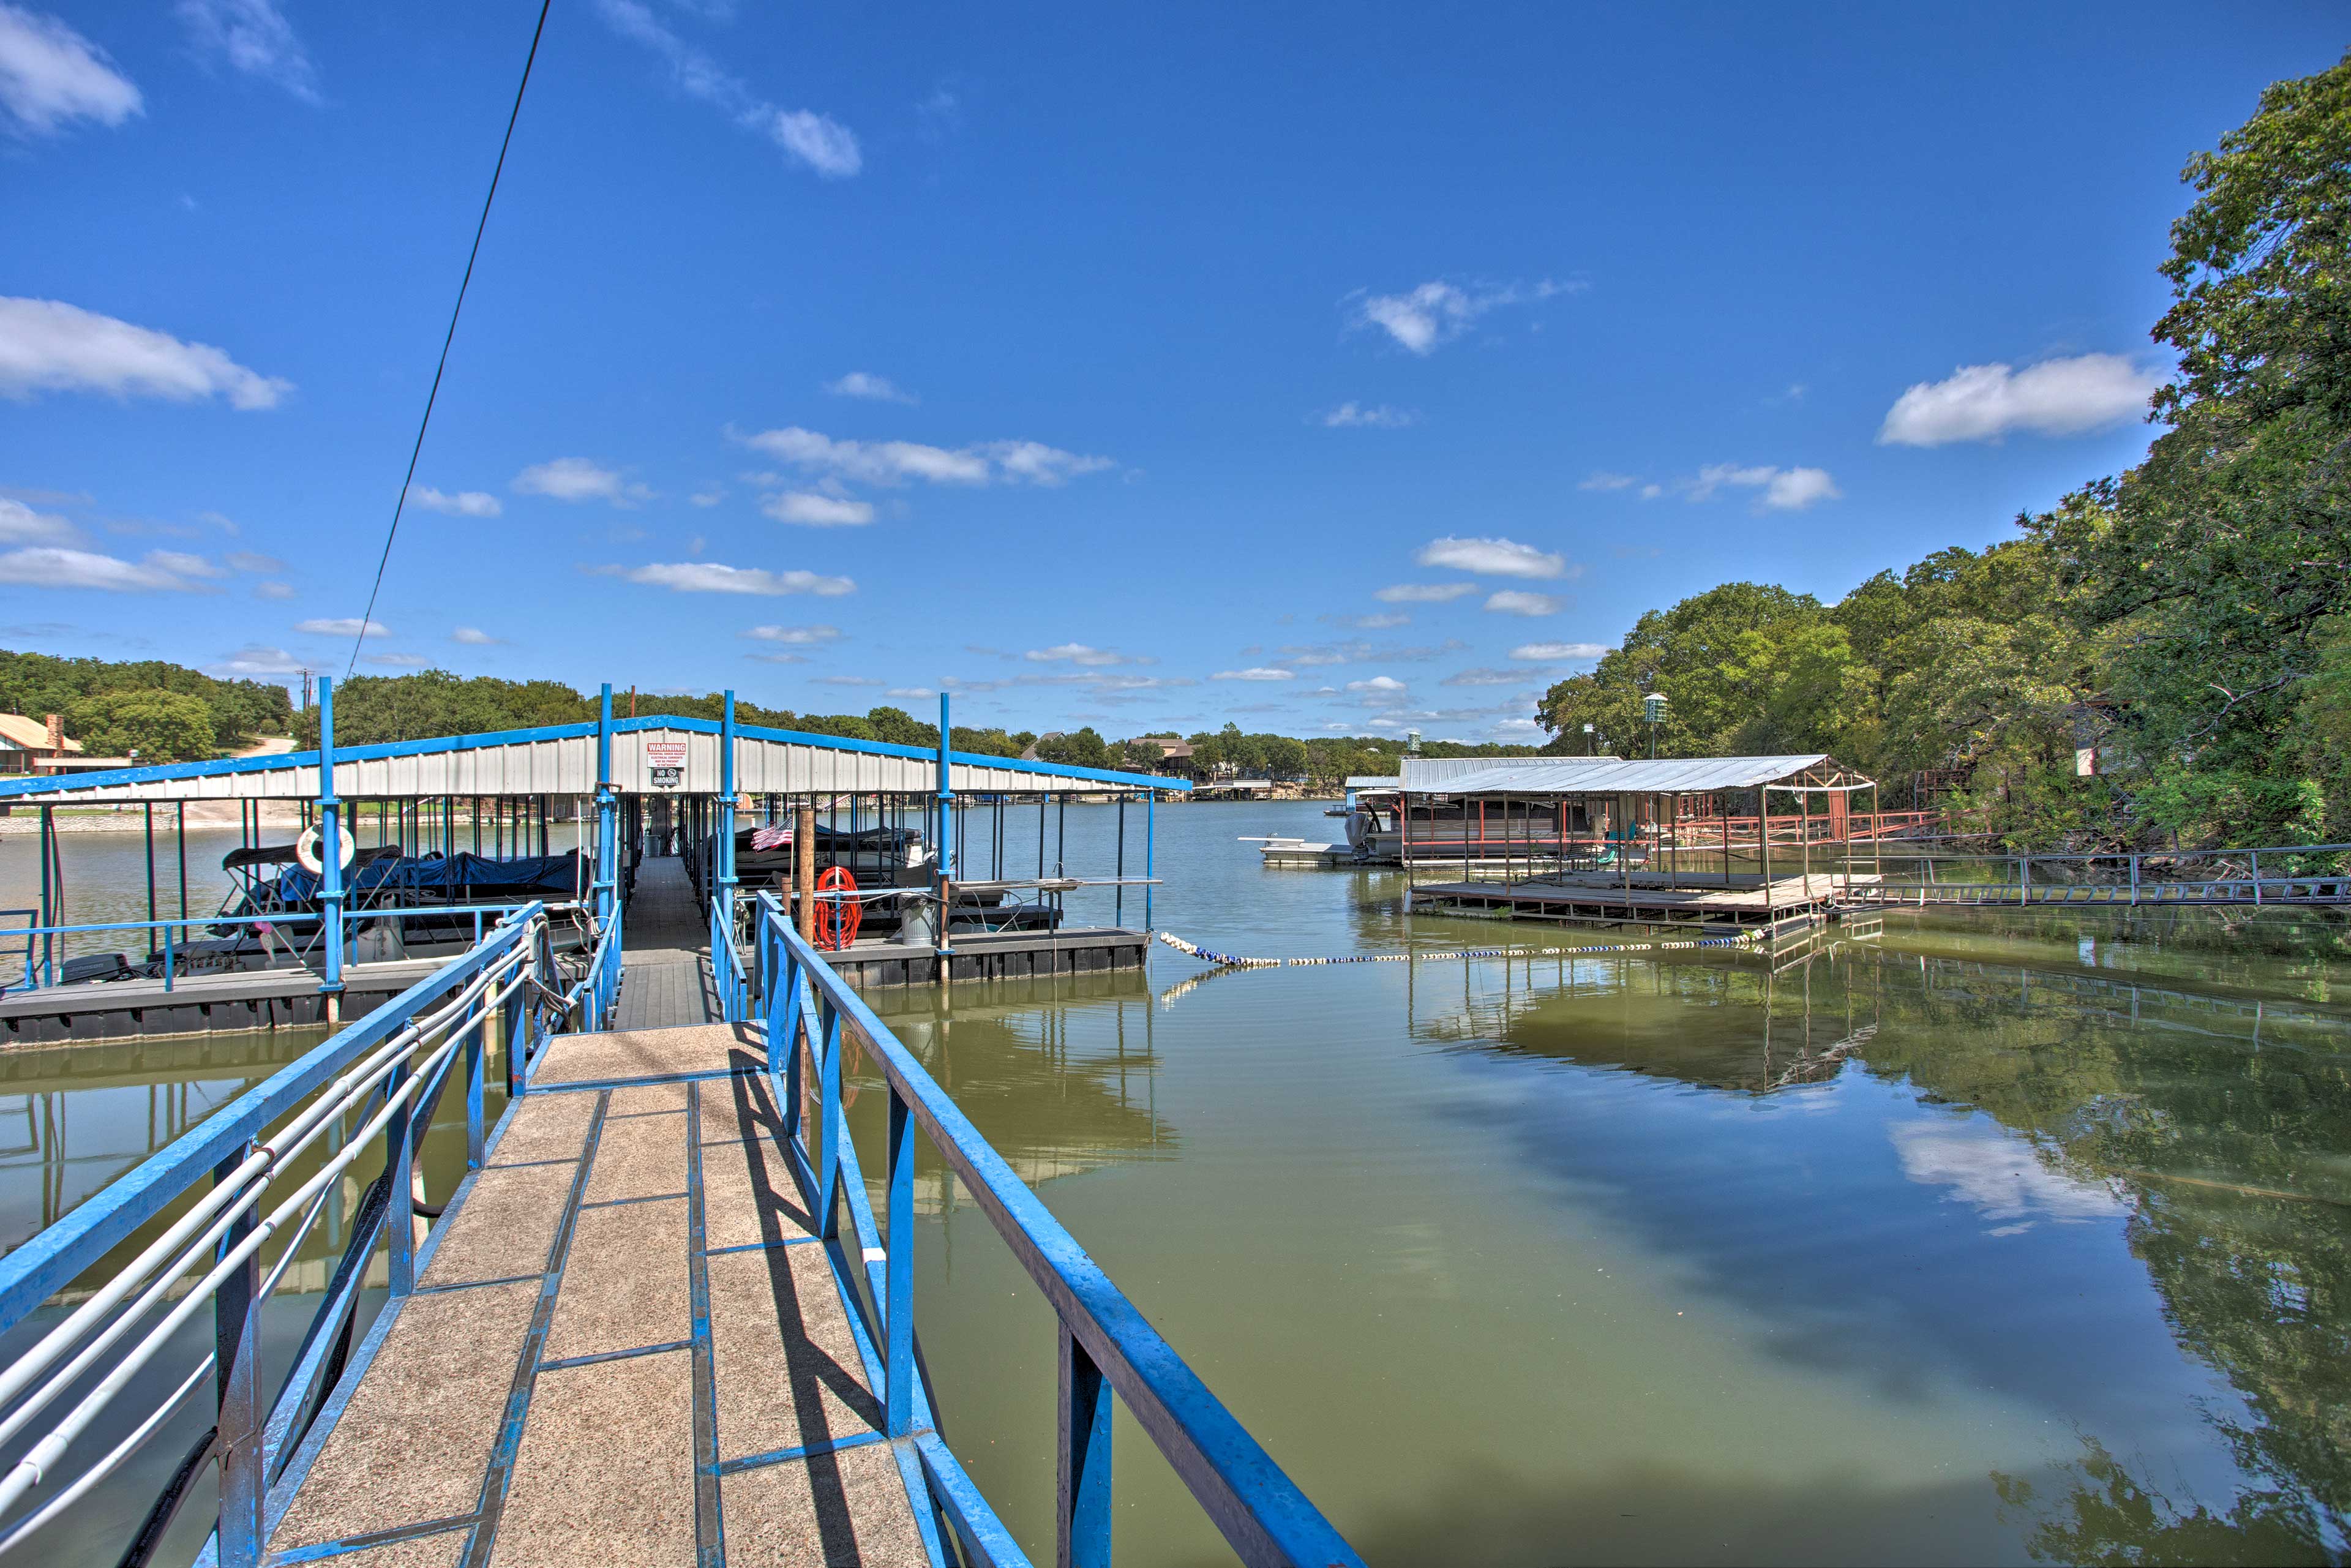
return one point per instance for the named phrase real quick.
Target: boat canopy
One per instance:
(1814, 771)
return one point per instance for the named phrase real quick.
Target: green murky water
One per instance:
(2008, 1238)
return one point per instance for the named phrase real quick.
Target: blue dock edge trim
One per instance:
(232, 765)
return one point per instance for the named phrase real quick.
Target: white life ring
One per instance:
(307, 848)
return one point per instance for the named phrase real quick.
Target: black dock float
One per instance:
(999, 955)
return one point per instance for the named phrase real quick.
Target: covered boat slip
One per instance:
(411, 848)
(1690, 841)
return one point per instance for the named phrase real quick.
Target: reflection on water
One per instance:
(2004, 1239)
(2008, 1237)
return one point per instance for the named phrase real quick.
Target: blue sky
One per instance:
(1326, 368)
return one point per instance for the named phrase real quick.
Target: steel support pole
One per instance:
(236, 1382)
(722, 894)
(946, 845)
(1150, 833)
(607, 890)
(330, 856)
(1083, 1459)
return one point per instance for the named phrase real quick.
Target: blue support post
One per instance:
(400, 1177)
(898, 1239)
(236, 1381)
(946, 840)
(607, 883)
(1083, 1506)
(722, 912)
(1150, 840)
(330, 855)
(474, 1138)
(836, 1125)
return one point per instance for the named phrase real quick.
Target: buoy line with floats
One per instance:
(1234, 961)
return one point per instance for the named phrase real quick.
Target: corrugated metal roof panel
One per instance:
(561, 761)
(1437, 772)
(1611, 776)
(1374, 782)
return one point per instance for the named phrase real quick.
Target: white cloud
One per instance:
(183, 564)
(397, 661)
(253, 36)
(161, 571)
(20, 525)
(911, 692)
(256, 659)
(799, 636)
(1424, 592)
(894, 462)
(707, 498)
(1999, 1174)
(46, 345)
(823, 144)
(1379, 416)
(1383, 685)
(1497, 558)
(849, 681)
(1558, 652)
(579, 479)
(274, 591)
(52, 75)
(709, 577)
(1385, 621)
(463, 504)
(1984, 402)
(1080, 653)
(1437, 312)
(252, 560)
(1517, 601)
(1514, 728)
(870, 462)
(1254, 672)
(1483, 677)
(342, 626)
(865, 384)
(1651, 492)
(817, 511)
(475, 637)
(819, 140)
(1607, 481)
(1794, 489)
(1783, 489)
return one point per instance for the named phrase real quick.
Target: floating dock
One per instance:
(1786, 903)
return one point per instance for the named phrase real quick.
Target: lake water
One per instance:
(2006, 1237)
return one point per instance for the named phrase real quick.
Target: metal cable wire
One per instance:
(400, 506)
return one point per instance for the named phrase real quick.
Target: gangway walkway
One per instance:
(666, 952)
(625, 1346)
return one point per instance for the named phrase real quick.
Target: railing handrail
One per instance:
(1259, 1510)
(287, 918)
(51, 1260)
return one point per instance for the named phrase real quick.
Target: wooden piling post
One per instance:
(804, 869)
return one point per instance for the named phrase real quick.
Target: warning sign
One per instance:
(664, 754)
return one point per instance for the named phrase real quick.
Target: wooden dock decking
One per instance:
(626, 1345)
(1792, 897)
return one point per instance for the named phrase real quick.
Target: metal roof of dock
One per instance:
(1614, 775)
(560, 759)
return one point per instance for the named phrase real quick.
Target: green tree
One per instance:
(900, 727)
(160, 726)
(1079, 749)
(2217, 568)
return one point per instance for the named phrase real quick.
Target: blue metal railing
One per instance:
(1107, 1348)
(388, 1069)
(44, 962)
